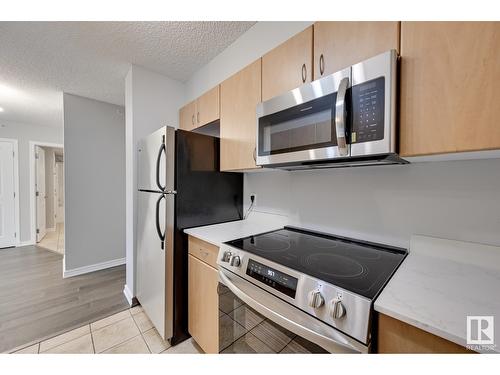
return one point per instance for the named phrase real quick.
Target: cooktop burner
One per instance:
(334, 265)
(357, 266)
(268, 244)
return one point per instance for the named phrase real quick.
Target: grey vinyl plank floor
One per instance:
(37, 303)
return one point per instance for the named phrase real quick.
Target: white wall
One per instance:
(455, 199)
(94, 166)
(459, 199)
(25, 133)
(257, 41)
(151, 101)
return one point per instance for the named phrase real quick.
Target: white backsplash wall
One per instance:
(456, 200)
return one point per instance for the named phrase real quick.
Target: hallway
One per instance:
(54, 241)
(37, 303)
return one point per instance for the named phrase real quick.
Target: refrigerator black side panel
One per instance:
(204, 196)
(180, 318)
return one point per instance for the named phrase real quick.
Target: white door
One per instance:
(60, 192)
(41, 195)
(7, 198)
(56, 194)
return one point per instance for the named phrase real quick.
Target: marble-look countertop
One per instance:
(440, 283)
(257, 222)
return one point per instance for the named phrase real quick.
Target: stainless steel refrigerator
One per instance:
(179, 186)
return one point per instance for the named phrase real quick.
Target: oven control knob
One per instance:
(337, 309)
(315, 299)
(226, 256)
(235, 261)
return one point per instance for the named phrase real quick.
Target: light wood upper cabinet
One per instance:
(449, 87)
(288, 66)
(187, 116)
(207, 107)
(203, 304)
(201, 111)
(239, 96)
(338, 45)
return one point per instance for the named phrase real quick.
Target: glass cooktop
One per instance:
(357, 266)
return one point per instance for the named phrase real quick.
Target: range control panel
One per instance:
(368, 111)
(275, 279)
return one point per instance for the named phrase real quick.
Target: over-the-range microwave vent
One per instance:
(361, 161)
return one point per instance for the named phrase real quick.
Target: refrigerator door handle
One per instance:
(158, 229)
(162, 150)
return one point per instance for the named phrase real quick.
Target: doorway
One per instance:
(48, 196)
(9, 193)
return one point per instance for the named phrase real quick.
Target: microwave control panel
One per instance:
(368, 111)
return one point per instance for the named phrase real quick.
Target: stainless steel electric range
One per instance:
(317, 286)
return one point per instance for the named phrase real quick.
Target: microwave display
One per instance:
(368, 111)
(275, 279)
(307, 126)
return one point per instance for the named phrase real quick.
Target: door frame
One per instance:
(17, 219)
(32, 145)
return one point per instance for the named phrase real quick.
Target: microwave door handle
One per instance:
(340, 117)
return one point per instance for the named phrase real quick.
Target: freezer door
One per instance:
(151, 174)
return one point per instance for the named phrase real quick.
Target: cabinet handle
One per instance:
(198, 117)
(192, 119)
(321, 64)
(304, 73)
(255, 154)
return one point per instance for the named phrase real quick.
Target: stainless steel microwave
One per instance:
(345, 119)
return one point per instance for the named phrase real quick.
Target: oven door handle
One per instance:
(340, 117)
(289, 317)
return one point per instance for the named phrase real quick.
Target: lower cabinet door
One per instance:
(203, 305)
(397, 337)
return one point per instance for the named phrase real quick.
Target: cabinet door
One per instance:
(187, 116)
(239, 96)
(338, 45)
(207, 107)
(203, 304)
(449, 87)
(287, 66)
(397, 337)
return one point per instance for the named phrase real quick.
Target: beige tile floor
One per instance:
(54, 241)
(127, 332)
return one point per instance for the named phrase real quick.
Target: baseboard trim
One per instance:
(132, 301)
(92, 267)
(25, 243)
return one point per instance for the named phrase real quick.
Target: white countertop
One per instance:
(257, 222)
(440, 283)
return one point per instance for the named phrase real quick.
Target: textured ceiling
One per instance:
(40, 60)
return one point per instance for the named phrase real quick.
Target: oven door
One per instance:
(253, 320)
(305, 124)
